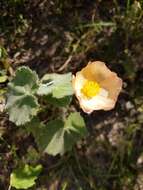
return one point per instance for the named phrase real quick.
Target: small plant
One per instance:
(27, 100)
(24, 177)
(24, 94)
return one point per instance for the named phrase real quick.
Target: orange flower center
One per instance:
(90, 89)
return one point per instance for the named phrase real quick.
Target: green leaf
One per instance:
(75, 129)
(75, 123)
(3, 53)
(32, 155)
(27, 79)
(60, 102)
(57, 137)
(25, 177)
(59, 85)
(44, 134)
(22, 105)
(3, 78)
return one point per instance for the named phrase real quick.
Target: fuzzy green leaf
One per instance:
(44, 134)
(59, 85)
(24, 177)
(57, 137)
(75, 130)
(22, 105)
(59, 102)
(26, 78)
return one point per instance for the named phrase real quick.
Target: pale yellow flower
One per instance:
(96, 87)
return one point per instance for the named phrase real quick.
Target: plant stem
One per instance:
(128, 5)
(9, 188)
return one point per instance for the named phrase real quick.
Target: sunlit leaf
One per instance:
(22, 105)
(3, 78)
(24, 177)
(45, 135)
(3, 52)
(57, 137)
(75, 123)
(59, 85)
(75, 130)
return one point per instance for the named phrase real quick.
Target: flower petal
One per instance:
(113, 85)
(78, 82)
(96, 71)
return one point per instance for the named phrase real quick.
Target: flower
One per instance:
(96, 87)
